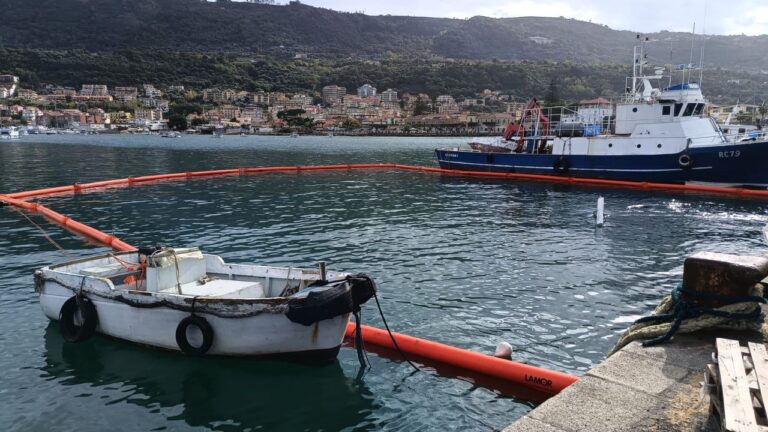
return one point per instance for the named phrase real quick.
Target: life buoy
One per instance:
(204, 327)
(562, 165)
(88, 319)
(685, 161)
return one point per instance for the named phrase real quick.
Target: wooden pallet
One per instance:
(739, 382)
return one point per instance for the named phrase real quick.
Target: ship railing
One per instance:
(566, 121)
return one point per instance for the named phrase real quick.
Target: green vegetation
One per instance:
(466, 78)
(252, 47)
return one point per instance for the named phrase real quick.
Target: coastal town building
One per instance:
(26, 94)
(261, 98)
(125, 94)
(219, 96)
(333, 94)
(143, 115)
(150, 91)
(94, 90)
(366, 90)
(8, 86)
(389, 95)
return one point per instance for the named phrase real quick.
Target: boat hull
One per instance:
(266, 334)
(734, 164)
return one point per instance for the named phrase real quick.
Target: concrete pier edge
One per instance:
(638, 389)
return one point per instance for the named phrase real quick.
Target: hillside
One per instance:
(459, 78)
(282, 31)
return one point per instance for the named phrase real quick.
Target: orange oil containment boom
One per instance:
(536, 378)
(584, 181)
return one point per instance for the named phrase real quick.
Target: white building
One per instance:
(151, 92)
(366, 90)
(8, 86)
(389, 95)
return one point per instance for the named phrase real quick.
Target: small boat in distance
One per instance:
(171, 134)
(183, 300)
(654, 134)
(9, 133)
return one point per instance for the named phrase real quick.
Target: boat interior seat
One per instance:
(220, 288)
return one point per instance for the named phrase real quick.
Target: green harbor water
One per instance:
(464, 261)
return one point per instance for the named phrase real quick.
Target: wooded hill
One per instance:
(252, 46)
(195, 25)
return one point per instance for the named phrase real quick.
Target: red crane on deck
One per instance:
(538, 121)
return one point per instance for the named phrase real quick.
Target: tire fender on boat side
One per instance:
(490, 159)
(204, 327)
(71, 330)
(685, 160)
(562, 165)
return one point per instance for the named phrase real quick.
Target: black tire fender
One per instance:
(490, 159)
(562, 165)
(71, 331)
(685, 161)
(181, 335)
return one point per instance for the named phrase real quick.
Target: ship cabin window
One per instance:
(742, 130)
(689, 110)
(666, 109)
(699, 108)
(678, 107)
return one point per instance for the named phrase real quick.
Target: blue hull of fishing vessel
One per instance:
(738, 165)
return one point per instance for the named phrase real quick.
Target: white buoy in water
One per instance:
(600, 213)
(765, 233)
(503, 350)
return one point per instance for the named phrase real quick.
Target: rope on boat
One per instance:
(45, 234)
(675, 314)
(391, 336)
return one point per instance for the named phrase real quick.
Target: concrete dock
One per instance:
(638, 389)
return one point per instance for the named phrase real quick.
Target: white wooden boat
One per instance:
(183, 300)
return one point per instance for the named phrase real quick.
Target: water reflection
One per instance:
(214, 392)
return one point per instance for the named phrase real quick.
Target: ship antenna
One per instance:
(690, 62)
(703, 43)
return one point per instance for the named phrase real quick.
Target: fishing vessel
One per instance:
(184, 300)
(653, 134)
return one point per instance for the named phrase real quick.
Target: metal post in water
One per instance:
(600, 213)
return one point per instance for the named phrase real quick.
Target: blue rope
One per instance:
(685, 309)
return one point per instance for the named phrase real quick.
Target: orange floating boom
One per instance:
(669, 187)
(540, 379)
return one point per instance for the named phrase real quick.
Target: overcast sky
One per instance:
(714, 16)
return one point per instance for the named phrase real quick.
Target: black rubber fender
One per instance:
(321, 305)
(685, 161)
(562, 165)
(490, 158)
(205, 328)
(90, 319)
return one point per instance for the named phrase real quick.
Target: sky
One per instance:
(730, 17)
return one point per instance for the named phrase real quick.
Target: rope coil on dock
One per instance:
(674, 315)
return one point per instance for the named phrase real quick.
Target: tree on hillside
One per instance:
(552, 98)
(420, 107)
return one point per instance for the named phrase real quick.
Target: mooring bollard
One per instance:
(721, 275)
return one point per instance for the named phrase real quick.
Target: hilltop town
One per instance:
(365, 111)
(96, 107)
